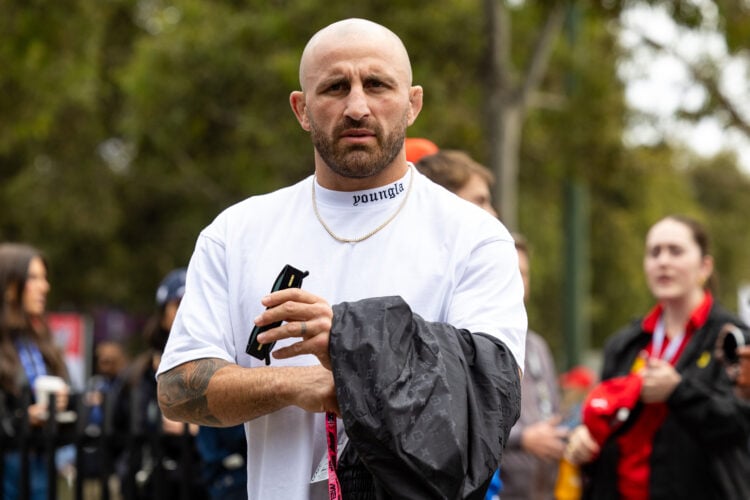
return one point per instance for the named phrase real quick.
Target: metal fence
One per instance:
(99, 448)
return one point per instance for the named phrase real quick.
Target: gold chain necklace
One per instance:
(381, 226)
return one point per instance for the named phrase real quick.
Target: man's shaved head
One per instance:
(356, 100)
(351, 31)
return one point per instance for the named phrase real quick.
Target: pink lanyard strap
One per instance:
(334, 489)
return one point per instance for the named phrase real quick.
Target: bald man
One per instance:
(410, 326)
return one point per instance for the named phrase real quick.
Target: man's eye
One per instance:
(336, 87)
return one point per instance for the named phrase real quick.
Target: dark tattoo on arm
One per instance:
(182, 391)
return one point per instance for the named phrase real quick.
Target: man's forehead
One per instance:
(354, 45)
(361, 67)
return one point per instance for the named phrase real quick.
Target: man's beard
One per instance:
(358, 161)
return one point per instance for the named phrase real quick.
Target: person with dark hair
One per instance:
(460, 174)
(156, 449)
(537, 440)
(409, 325)
(27, 355)
(529, 467)
(666, 421)
(110, 360)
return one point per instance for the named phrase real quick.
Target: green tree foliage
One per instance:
(127, 125)
(723, 192)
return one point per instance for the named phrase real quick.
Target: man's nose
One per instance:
(357, 106)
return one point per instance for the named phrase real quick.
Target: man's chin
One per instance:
(356, 168)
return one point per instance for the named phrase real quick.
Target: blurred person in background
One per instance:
(666, 422)
(459, 173)
(418, 147)
(27, 353)
(529, 467)
(575, 384)
(110, 360)
(157, 449)
(536, 442)
(223, 453)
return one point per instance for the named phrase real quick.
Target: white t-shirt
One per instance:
(450, 261)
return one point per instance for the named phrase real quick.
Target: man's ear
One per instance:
(297, 101)
(415, 102)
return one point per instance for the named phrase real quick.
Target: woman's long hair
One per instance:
(15, 322)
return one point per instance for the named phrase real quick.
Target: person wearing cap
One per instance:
(666, 422)
(152, 461)
(419, 147)
(409, 325)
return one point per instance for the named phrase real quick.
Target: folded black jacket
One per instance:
(427, 407)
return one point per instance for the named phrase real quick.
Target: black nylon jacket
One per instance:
(427, 407)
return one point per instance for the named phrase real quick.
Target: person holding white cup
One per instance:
(28, 359)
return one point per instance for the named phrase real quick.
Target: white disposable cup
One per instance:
(44, 385)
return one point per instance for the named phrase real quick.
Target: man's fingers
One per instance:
(292, 310)
(287, 295)
(290, 351)
(304, 329)
(286, 311)
(316, 345)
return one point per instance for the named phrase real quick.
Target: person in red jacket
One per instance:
(666, 422)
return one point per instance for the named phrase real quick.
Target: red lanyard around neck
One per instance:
(334, 489)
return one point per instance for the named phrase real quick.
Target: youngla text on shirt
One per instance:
(383, 194)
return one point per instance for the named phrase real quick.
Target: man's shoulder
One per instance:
(448, 208)
(256, 208)
(284, 195)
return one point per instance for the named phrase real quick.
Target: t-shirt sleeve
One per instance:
(201, 327)
(489, 295)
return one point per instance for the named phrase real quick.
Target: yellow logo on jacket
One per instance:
(704, 359)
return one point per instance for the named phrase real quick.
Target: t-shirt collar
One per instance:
(383, 195)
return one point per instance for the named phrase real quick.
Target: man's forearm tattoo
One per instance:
(183, 390)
